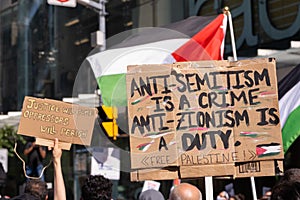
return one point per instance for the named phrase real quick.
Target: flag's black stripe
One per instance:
(182, 29)
(288, 81)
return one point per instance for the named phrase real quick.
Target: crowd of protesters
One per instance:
(100, 188)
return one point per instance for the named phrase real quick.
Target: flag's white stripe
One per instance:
(271, 149)
(115, 61)
(289, 102)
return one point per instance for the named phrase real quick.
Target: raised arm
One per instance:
(59, 185)
(28, 148)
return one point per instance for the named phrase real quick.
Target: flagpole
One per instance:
(209, 189)
(227, 12)
(209, 179)
(253, 188)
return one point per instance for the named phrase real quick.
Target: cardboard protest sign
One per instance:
(47, 119)
(208, 115)
(148, 122)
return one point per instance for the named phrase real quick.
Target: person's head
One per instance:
(96, 188)
(37, 188)
(286, 190)
(292, 174)
(185, 191)
(151, 195)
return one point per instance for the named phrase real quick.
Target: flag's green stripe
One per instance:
(113, 89)
(269, 154)
(291, 129)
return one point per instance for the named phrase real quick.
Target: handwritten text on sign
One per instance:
(49, 119)
(211, 112)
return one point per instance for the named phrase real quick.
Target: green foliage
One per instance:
(8, 138)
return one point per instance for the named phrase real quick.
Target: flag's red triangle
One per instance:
(207, 44)
(260, 151)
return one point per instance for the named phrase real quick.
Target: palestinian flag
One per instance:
(271, 149)
(195, 38)
(289, 106)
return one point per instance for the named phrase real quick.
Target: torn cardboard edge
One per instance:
(237, 170)
(167, 173)
(50, 143)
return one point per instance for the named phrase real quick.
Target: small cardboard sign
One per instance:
(206, 114)
(47, 119)
(151, 185)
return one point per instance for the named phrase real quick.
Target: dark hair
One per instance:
(286, 190)
(96, 188)
(292, 174)
(37, 188)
